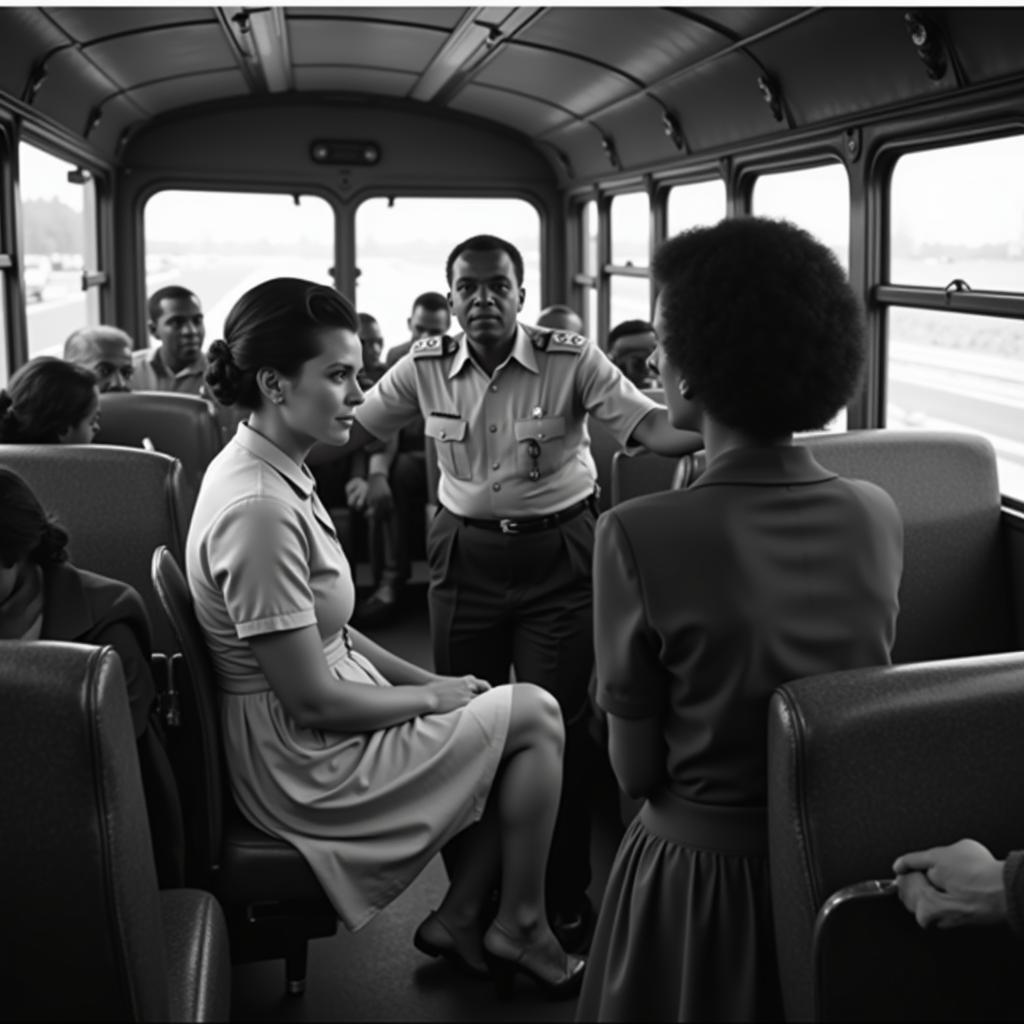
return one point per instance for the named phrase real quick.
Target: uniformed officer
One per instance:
(510, 547)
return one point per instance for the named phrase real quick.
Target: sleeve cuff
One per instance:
(276, 623)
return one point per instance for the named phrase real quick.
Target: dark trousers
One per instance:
(525, 601)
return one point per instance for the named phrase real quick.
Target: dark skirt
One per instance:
(685, 928)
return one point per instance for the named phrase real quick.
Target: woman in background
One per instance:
(49, 401)
(768, 568)
(44, 597)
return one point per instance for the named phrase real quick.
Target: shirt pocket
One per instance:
(540, 444)
(449, 435)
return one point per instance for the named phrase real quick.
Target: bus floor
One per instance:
(377, 973)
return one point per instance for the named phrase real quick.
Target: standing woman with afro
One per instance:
(768, 568)
(364, 762)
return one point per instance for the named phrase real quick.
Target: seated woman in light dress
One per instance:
(366, 763)
(49, 401)
(768, 568)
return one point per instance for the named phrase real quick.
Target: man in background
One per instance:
(106, 351)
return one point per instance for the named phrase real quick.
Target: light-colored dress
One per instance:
(367, 810)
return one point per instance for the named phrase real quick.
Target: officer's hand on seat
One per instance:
(379, 500)
(356, 489)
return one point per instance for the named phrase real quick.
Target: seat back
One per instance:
(955, 595)
(603, 448)
(117, 504)
(198, 752)
(79, 911)
(872, 962)
(182, 426)
(866, 764)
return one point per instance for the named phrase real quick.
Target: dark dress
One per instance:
(768, 569)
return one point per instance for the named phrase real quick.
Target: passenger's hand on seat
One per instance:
(379, 500)
(948, 886)
(355, 492)
(455, 691)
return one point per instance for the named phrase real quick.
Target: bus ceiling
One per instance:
(592, 91)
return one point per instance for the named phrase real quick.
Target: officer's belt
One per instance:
(534, 523)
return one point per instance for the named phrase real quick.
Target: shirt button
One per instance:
(495, 465)
(492, 428)
(442, 434)
(495, 487)
(494, 387)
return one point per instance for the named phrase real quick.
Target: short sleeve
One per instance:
(611, 397)
(392, 402)
(631, 681)
(259, 554)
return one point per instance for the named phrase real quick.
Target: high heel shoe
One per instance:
(504, 970)
(444, 944)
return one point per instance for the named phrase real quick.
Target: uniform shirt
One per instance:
(492, 432)
(151, 373)
(769, 568)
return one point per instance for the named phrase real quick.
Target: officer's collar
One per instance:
(266, 451)
(522, 352)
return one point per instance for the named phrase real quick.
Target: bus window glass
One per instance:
(630, 299)
(693, 205)
(588, 228)
(54, 239)
(220, 244)
(818, 200)
(631, 229)
(958, 371)
(402, 245)
(958, 212)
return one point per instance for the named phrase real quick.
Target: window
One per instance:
(402, 246)
(631, 229)
(220, 244)
(958, 213)
(818, 200)
(591, 267)
(694, 205)
(58, 241)
(630, 299)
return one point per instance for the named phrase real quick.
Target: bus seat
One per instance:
(957, 596)
(956, 593)
(604, 448)
(117, 504)
(183, 426)
(866, 764)
(86, 933)
(273, 901)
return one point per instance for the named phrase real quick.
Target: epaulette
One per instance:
(433, 348)
(559, 341)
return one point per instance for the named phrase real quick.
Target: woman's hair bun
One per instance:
(223, 376)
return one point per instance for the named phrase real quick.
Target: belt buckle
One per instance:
(509, 526)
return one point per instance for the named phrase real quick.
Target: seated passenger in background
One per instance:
(176, 362)
(962, 884)
(767, 569)
(50, 401)
(372, 340)
(630, 345)
(561, 318)
(44, 597)
(366, 763)
(429, 318)
(106, 351)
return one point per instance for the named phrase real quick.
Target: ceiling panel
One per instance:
(185, 49)
(324, 41)
(368, 81)
(526, 114)
(580, 86)
(439, 17)
(161, 97)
